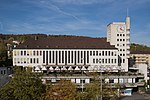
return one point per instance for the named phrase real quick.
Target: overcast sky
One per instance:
(74, 17)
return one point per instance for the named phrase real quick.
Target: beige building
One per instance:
(140, 57)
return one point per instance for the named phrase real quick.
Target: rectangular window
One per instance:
(105, 53)
(78, 57)
(93, 53)
(37, 52)
(108, 53)
(112, 53)
(102, 60)
(68, 56)
(105, 60)
(21, 53)
(72, 56)
(43, 56)
(59, 56)
(112, 61)
(53, 57)
(56, 58)
(93, 60)
(50, 57)
(81, 56)
(96, 53)
(109, 60)
(46, 58)
(25, 53)
(90, 53)
(37, 60)
(34, 53)
(62, 56)
(102, 53)
(31, 60)
(40, 53)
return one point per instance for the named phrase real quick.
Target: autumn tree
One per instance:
(24, 85)
(63, 90)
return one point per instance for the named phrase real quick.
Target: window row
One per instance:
(120, 34)
(66, 57)
(102, 53)
(106, 61)
(26, 60)
(28, 53)
(120, 39)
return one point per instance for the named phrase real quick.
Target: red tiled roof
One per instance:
(66, 42)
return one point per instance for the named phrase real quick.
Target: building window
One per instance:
(62, 56)
(117, 34)
(72, 57)
(112, 53)
(93, 60)
(40, 53)
(120, 39)
(21, 53)
(115, 60)
(87, 56)
(96, 53)
(43, 56)
(34, 53)
(105, 60)
(102, 53)
(109, 60)
(25, 53)
(49, 56)
(90, 53)
(97, 61)
(93, 53)
(37, 52)
(68, 56)
(123, 60)
(31, 60)
(34, 60)
(120, 34)
(123, 39)
(112, 61)
(117, 44)
(37, 60)
(105, 53)
(117, 39)
(102, 60)
(108, 53)
(123, 44)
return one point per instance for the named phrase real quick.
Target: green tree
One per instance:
(24, 85)
(63, 90)
(3, 54)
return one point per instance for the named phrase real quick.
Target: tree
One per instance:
(24, 85)
(3, 54)
(63, 90)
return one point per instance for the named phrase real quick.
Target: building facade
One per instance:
(118, 34)
(90, 53)
(140, 57)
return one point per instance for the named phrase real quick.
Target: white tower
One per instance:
(118, 34)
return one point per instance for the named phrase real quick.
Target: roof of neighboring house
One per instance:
(66, 42)
(139, 52)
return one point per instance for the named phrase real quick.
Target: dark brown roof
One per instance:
(66, 42)
(139, 52)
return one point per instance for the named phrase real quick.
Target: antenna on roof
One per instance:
(127, 12)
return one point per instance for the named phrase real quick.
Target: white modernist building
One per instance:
(118, 34)
(55, 53)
